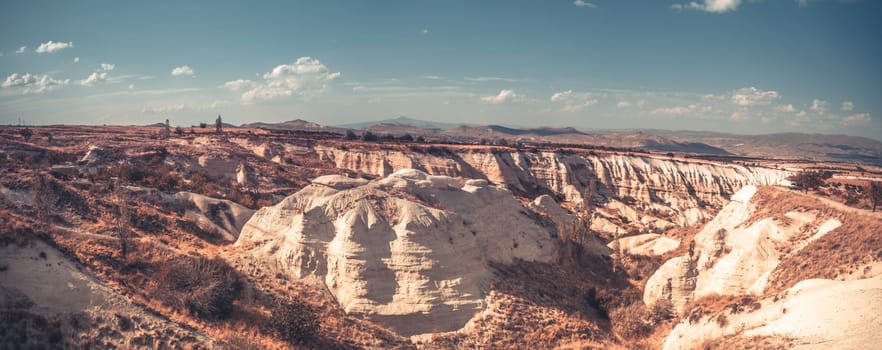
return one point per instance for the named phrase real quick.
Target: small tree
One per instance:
(810, 179)
(124, 218)
(406, 137)
(26, 133)
(369, 136)
(875, 193)
(203, 125)
(45, 196)
(349, 135)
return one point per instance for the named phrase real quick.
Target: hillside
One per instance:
(253, 239)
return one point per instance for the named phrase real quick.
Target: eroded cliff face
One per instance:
(647, 193)
(735, 253)
(410, 250)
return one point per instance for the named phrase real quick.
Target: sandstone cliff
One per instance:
(648, 193)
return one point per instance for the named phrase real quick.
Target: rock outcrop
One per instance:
(735, 253)
(666, 192)
(410, 250)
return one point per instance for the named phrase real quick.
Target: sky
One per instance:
(758, 66)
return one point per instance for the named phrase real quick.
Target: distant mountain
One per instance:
(815, 147)
(296, 124)
(534, 131)
(404, 121)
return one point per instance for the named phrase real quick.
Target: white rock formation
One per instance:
(646, 244)
(815, 314)
(410, 250)
(734, 253)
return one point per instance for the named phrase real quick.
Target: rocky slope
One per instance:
(410, 250)
(768, 262)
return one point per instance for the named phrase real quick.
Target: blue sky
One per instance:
(723, 65)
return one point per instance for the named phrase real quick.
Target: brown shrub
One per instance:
(206, 287)
(294, 321)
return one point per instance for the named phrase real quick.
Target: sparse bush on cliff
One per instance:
(204, 286)
(294, 321)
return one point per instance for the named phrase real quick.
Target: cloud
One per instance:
(164, 109)
(424, 31)
(819, 106)
(21, 50)
(682, 110)
(100, 75)
(306, 77)
(239, 85)
(679, 110)
(504, 95)
(751, 96)
(623, 104)
(847, 106)
(740, 116)
(788, 108)
(182, 70)
(76, 60)
(51, 46)
(431, 77)
(573, 101)
(33, 83)
(854, 119)
(94, 78)
(219, 104)
(582, 3)
(713, 6)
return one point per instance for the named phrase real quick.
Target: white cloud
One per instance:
(220, 104)
(94, 78)
(847, 106)
(131, 86)
(100, 75)
(714, 6)
(623, 104)
(164, 109)
(51, 46)
(424, 31)
(21, 50)
(679, 110)
(504, 95)
(641, 103)
(683, 110)
(819, 106)
(573, 101)
(306, 77)
(238, 85)
(582, 3)
(740, 116)
(788, 108)
(33, 83)
(751, 96)
(431, 77)
(856, 119)
(182, 70)
(76, 60)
